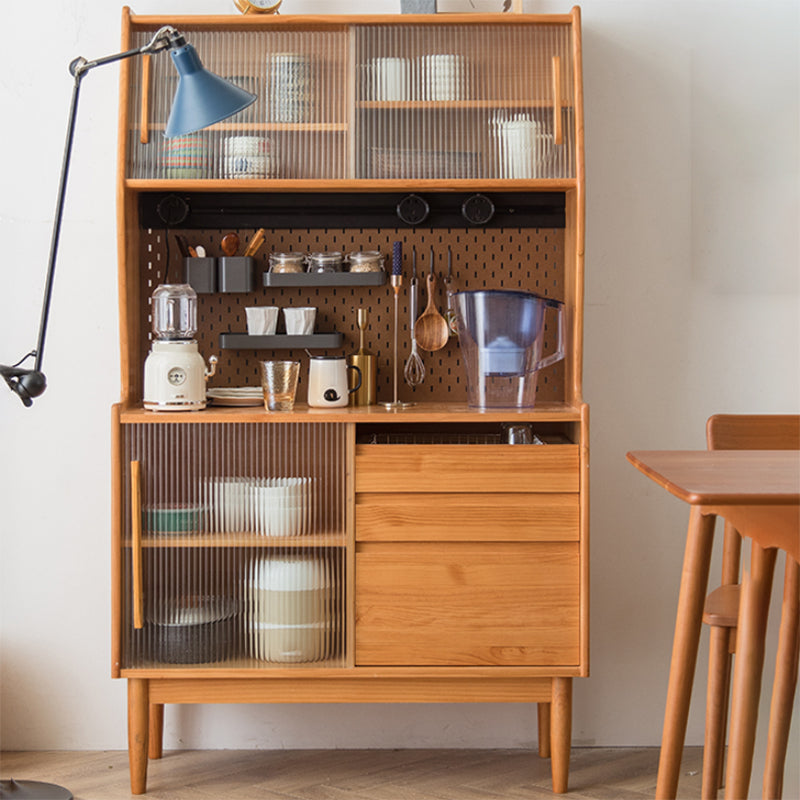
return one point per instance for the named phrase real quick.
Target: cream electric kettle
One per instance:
(327, 381)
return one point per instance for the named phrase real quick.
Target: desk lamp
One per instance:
(201, 99)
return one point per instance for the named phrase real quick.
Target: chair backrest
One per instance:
(753, 432)
(748, 432)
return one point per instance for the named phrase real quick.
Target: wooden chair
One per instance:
(721, 611)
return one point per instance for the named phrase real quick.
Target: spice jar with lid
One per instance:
(325, 262)
(366, 261)
(287, 262)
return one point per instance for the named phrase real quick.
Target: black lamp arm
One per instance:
(30, 383)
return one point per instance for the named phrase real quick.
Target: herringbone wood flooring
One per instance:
(599, 773)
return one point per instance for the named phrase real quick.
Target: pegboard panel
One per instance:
(528, 259)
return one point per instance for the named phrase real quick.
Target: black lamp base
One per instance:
(32, 790)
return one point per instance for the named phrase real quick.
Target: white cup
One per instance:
(525, 149)
(299, 321)
(443, 77)
(262, 320)
(391, 79)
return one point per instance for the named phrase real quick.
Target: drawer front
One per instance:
(467, 468)
(467, 517)
(510, 604)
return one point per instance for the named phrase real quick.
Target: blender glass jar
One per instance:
(174, 311)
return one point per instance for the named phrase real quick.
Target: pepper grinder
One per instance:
(397, 282)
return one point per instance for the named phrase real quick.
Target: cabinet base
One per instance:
(147, 697)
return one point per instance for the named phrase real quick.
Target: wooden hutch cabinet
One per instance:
(357, 554)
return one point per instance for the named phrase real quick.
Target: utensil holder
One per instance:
(201, 274)
(236, 274)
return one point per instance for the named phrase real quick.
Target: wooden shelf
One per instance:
(422, 412)
(460, 105)
(241, 539)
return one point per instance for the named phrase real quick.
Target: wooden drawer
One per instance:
(467, 468)
(496, 517)
(510, 604)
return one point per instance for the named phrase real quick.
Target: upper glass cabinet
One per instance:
(353, 101)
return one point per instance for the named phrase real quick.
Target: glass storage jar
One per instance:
(325, 262)
(287, 262)
(366, 261)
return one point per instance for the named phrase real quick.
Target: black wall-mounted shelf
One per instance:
(312, 279)
(316, 341)
(219, 210)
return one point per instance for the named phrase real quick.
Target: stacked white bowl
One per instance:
(265, 506)
(249, 157)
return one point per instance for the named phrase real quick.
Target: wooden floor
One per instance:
(599, 773)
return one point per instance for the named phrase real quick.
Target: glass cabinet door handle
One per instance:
(136, 543)
(558, 122)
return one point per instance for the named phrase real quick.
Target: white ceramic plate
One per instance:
(236, 396)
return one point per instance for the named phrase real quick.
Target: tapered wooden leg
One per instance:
(753, 607)
(561, 733)
(156, 734)
(543, 714)
(138, 721)
(785, 683)
(719, 662)
(688, 621)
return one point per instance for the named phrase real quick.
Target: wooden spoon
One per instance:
(230, 244)
(431, 331)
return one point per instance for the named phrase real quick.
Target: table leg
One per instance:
(783, 689)
(688, 621)
(753, 608)
(719, 672)
(560, 733)
(138, 715)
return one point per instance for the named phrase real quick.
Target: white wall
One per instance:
(691, 308)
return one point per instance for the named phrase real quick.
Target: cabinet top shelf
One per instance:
(341, 21)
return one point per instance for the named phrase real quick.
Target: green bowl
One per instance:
(175, 518)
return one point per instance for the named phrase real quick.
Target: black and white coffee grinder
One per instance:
(175, 373)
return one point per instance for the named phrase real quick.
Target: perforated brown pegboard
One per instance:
(530, 259)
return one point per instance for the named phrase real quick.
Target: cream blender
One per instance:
(175, 373)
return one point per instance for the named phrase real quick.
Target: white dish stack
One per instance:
(249, 157)
(289, 608)
(265, 506)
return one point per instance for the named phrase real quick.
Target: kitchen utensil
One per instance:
(230, 244)
(192, 630)
(414, 371)
(175, 373)
(430, 330)
(289, 614)
(200, 251)
(397, 282)
(279, 379)
(501, 334)
(327, 381)
(183, 245)
(450, 313)
(255, 242)
(365, 394)
(236, 396)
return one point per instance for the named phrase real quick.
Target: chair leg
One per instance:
(783, 688)
(543, 714)
(719, 670)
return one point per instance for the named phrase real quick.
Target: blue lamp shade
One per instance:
(202, 98)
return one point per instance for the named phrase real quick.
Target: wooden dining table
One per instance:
(758, 492)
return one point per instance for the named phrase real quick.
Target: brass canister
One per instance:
(366, 394)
